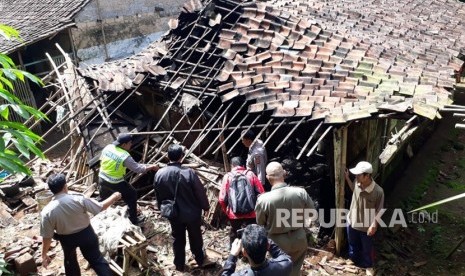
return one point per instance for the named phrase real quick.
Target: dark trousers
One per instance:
(237, 224)
(128, 194)
(178, 231)
(87, 241)
(361, 250)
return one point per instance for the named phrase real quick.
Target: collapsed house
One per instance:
(324, 84)
(90, 31)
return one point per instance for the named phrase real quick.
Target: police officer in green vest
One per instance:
(114, 160)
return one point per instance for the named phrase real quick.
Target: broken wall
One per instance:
(108, 30)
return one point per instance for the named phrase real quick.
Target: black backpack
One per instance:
(241, 194)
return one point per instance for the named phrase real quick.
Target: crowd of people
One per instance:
(257, 226)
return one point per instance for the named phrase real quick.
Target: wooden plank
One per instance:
(340, 150)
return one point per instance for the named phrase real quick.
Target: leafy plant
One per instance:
(437, 242)
(3, 265)
(14, 136)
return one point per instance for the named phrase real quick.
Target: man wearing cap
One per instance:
(281, 211)
(256, 158)
(367, 201)
(66, 219)
(114, 160)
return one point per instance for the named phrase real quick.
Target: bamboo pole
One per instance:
(209, 123)
(60, 80)
(196, 120)
(213, 129)
(68, 152)
(407, 126)
(98, 129)
(227, 165)
(308, 141)
(81, 145)
(80, 179)
(274, 131)
(72, 70)
(231, 134)
(210, 128)
(319, 140)
(289, 134)
(223, 128)
(146, 148)
(452, 110)
(262, 130)
(455, 106)
(239, 140)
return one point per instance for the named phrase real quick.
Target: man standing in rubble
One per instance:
(367, 201)
(191, 199)
(257, 157)
(282, 212)
(239, 220)
(66, 219)
(114, 160)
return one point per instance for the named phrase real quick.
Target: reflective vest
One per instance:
(111, 164)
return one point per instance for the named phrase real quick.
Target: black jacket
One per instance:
(191, 197)
(279, 265)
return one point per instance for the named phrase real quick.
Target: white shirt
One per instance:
(67, 214)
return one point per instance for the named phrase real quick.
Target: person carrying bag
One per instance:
(182, 206)
(168, 207)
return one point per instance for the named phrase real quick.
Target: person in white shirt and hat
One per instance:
(367, 201)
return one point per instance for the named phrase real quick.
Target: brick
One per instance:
(25, 265)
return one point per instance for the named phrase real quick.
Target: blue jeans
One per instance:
(361, 250)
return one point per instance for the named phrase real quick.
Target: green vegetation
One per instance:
(461, 163)
(437, 243)
(456, 185)
(15, 137)
(420, 189)
(3, 266)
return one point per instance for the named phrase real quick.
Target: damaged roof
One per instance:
(333, 60)
(36, 20)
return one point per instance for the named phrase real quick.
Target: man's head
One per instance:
(236, 162)
(124, 141)
(175, 152)
(56, 183)
(247, 136)
(275, 173)
(363, 172)
(255, 243)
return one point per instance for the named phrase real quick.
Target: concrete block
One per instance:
(25, 265)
